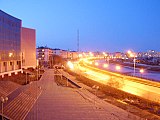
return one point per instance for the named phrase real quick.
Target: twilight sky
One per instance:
(104, 25)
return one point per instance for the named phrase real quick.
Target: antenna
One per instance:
(78, 40)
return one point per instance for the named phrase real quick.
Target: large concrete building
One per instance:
(10, 41)
(28, 47)
(13, 39)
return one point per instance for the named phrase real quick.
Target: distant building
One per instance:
(28, 47)
(64, 54)
(148, 54)
(10, 40)
(73, 55)
(57, 51)
(43, 55)
(118, 55)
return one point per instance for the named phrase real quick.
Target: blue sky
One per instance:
(104, 25)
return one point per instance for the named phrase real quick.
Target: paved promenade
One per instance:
(63, 103)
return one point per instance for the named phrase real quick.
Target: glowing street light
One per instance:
(70, 65)
(105, 65)
(96, 63)
(118, 67)
(104, 54)
(141, 70)
(129, 52)
(80, 55)
(10, 54)
(132, 54)
(91, 54)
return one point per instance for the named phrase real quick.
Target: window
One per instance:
(4, 63)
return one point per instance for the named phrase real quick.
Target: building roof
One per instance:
(10, 15)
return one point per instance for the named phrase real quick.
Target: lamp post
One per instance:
(132, 54)
(105, 65)
(134, 60)
(118, 67)
(141, 71)
(3, 100)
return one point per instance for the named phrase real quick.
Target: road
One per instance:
(152, 75)
(137, 86)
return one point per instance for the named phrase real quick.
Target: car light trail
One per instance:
(136, 86)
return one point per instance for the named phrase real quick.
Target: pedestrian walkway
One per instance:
(64, 103)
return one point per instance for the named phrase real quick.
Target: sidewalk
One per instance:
(62, 103)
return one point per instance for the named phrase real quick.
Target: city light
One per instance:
(141, 70)
(96, 63)
(10, 54)
(80, 55)
(118, 67)
(70, 65)
(129, 52)
(133, 55)
(105, 65)
(104, 54)
(91, 54)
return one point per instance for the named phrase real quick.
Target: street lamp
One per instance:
(90, 62)
(132, 54)
(3, 100)
(10, 54)
(105, 65)
(141, 71)
(70, 65)
(96, 63)
(134, 60)
(118, 67)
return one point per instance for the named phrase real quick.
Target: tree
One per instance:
(54, 60)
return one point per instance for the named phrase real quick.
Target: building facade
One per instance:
(43, 55)
(28, 47)
(17, 45)
(149, 53)
(10, 41)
